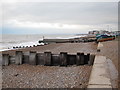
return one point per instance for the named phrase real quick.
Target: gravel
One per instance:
(56, 48)
(28, 76)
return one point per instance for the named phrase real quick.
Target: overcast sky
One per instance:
(59, 17)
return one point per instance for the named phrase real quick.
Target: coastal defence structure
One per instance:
(100, 75)
(104, 74)
(48, 59)
(89, 38)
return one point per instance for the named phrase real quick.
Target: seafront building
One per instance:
(96, 32)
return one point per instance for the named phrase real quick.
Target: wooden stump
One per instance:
(32, 58)
(47, 57)
(91, 59)
(18, 57)
(5, 59)
(63, 58)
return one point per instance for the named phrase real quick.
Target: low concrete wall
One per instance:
(100, 76)
(100, 45)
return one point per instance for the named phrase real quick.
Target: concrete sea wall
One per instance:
(100, 77)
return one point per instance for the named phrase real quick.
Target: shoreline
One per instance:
(30, 76)
(59, 47)
(71, 48)
(35, 43)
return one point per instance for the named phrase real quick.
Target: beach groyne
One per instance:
(70, 40)
(48, 58)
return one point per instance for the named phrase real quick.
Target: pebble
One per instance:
(45, 76)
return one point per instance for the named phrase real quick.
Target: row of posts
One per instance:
(27, 46)
(48, 59)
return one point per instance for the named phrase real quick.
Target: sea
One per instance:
(8, 41)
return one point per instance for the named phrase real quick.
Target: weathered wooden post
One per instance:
(48, 57)
(86, 58)
(18, 57)
(82, 59)
(40, 59)
(32, 58)
(26, 58)
(5, 59)
(55, 59)
(12, 60)
(63, 58)
(91, 59)
(78, 59)
(71, 59)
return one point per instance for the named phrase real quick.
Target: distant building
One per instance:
(103, 32)
(93, 32)
(116, 32)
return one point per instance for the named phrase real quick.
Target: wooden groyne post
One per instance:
(40, 59)
(48, 58)
(5, 59)
(63, 58)
(18, 57)
(91, 59)
(78, 58)
(55, 59)
(32, 58)
(81, 58)
(26, 57)
(86, 58)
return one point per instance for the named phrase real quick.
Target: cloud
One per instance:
(29, 24)
(13, 1)
(65, 15)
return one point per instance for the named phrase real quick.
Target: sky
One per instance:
(58, 17)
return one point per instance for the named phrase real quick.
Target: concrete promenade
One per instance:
(100, 76)
(104, 73)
